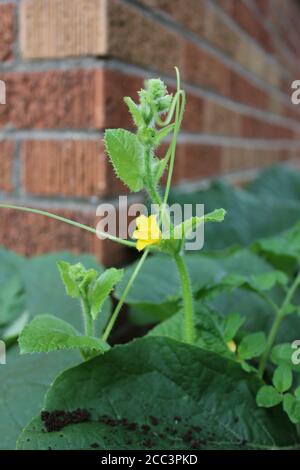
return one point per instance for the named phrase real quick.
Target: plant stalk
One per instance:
(189, 327)
(276, 324)
(116, 312)
(88, 321)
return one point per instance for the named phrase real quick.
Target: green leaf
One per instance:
(200, 400)
(41, 278)
(134, 111)
(127, 157)
(185, 228)
(257, 282)
(69, 281)
(24, 380)
(101, 289)
(247, 218)
(282, 378)
(209, 331)
(268, 397)
(232, 324)
(12, 299)
(291, 406)
(159, 167)
(48, 333)
(252, 345)
(76, 278)
(13, 330)
(282, 354)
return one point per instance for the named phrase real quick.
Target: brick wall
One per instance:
(68, 63)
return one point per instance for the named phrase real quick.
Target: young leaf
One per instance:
(282, 378)
(268, 397)
(134, 111)
(159, 167)
(185, 228)
(252, 345)
(291, 406)
(127, 157)
(76, 278)
(101, 289)
(48, 333)
(70, 283)
(232, 324)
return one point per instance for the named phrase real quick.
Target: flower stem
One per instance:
(189, 328)
(276, 324)
(70, 222)
(123, 296)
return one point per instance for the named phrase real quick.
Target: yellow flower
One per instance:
(147, 232)
(231, 346)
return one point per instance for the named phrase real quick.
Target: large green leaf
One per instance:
(280, 182)
(248, 216)
(282, 250)
(12, 299)
(161, 394)
(127, 157)
(24, 381)
(48, 333)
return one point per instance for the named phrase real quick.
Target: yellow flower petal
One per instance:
(140, 244)
(147, 232)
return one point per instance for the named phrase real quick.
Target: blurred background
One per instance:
(67, 65)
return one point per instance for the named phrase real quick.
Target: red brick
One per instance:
(196, 161)
(243, 91)
(192, 15)
(116, 86)
(30, 234)
(202, 69)
(255, 128)
(7, 31)
(61, 28)
(65, 168)
(53, 99)
(136, 39)
(7, 150)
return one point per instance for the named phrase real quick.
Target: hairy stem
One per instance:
(88, 321)
(189, 328)
(276, 324)
(116, 312)
(70, 222)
